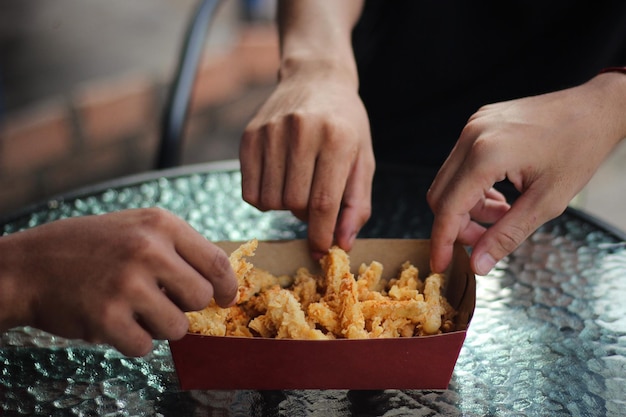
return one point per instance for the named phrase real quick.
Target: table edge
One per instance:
(123, 181)
(223, 165)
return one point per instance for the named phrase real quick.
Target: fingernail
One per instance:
(235, 300)
(484, 264)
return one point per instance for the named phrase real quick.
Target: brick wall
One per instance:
(110, 128)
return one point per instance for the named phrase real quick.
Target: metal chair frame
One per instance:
(179, 96)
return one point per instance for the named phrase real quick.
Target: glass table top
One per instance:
(548, 336)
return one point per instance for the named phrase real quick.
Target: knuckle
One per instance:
(155, 218)
(362, 209)
(365, 213)
(432, 200)
(335, 141)
(294, 202)
(139, 247)
(155, 215)
(247, 140)
(483, 146)
(439, 202)
(295, 122)
(553, 209)
(250, 196)
(510, 238)
(321, 203)
(220, 264)
(222, 277)
(270, 201)
(336, 133)
(141, 347)
(485, 157)
(470, 130)
(130, 286)
(200, 298)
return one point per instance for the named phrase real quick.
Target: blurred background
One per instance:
(83, 83)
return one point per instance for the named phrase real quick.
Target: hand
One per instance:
(122, 278)
(548, 146)
(308, 150)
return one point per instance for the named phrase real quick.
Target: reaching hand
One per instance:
(308, 150)
(548, 146)
(122, 278)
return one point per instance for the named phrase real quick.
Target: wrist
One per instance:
(611, 82)
(316, 38)
(311, 68)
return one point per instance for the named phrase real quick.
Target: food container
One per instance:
(423, 362)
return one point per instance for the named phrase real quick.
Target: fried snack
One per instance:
(252, 280)
(369, 283)
(284, 318)
(332, 305)
(408, 285)
(234, 321)
(341, 295)
(210, 321)
(305, 288)
(325, 317)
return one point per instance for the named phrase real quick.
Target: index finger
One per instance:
(329, 184)
(209, 260)
(452, 219)
(446, 231)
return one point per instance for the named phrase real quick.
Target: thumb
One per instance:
(527, 213)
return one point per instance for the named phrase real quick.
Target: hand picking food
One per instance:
(332, 305)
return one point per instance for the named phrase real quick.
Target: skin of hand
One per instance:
(123, 278)
(548, 146)
(308, 149)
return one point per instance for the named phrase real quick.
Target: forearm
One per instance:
(612, 88)
(316, 35)
(13, 294)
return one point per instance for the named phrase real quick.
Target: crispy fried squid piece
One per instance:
(394, 309)
(284, 317)
(335, 265)
(328, 306)
(252, 280)
(435, 309)
(408, 285)
(341, 294)
(322, 315)
(237, 322)
(238, 260)
(216, 321)
(394, 318)
(305, 288)
(370, 286)
(388, 328)
(210, 321)
(351, 316)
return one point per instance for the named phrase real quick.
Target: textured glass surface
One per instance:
(548, 336)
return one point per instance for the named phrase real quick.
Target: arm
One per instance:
(548, 146)
(122, 278)
(308, 149)
(318, 33)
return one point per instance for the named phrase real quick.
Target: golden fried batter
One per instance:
(334, 305)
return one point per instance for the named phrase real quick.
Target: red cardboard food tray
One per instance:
(426, 362)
